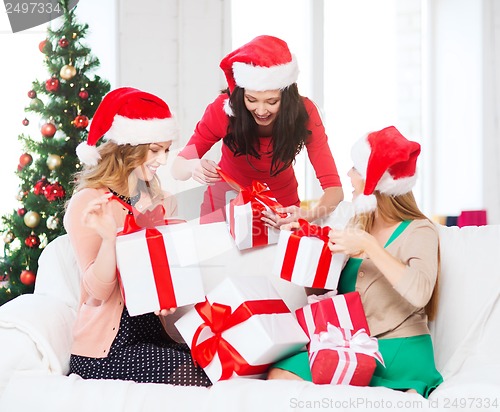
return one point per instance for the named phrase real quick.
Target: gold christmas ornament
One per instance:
(31, 219)
(53, 161)
(67, 72)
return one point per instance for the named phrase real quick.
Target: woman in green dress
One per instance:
(394, 264)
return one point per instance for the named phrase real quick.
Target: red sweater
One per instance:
(244, 169)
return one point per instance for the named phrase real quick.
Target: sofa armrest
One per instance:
(45, 321)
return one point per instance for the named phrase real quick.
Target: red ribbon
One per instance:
(218, 318)
(258, 195)
(325, 259)
(156, 248)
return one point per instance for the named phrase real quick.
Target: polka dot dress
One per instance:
(143, 352)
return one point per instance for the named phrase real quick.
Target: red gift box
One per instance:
(339, 357)
(345, 311)
(244, 215)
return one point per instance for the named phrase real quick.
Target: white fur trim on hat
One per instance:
(395, 187)
(360, 153)
(87, 154)
(259, 78)
(139, 131)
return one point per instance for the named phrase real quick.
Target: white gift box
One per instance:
(263, 338)
(144, 269)
(246, 235)
(307, 259)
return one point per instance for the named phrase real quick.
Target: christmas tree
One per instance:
(62, 105)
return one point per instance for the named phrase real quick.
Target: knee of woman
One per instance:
(276, 373)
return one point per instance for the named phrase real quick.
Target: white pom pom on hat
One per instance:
(128, 116)
(387, 162)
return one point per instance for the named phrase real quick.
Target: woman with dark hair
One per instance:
(264, 123)
(394, 264)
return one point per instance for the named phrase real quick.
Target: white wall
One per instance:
(456, 92)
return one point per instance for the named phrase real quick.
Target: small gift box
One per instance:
(158, 268)
(241, 329)
(303, 257)
(339, 357)
(345, 311)
(244, 215)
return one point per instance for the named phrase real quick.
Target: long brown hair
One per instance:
(114, 170)
(399, 208)
(289, 129)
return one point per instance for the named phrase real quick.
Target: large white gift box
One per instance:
(241, 329)
(159, 268)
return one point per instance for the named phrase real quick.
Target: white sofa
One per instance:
(35, 338)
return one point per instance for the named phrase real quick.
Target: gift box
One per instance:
(303, 257)
(244, 215)
(340, 357)
(241, 329)
(344, 311)
(158, 268)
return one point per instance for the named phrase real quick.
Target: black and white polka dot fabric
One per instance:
(143, 352)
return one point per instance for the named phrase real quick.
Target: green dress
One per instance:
(409, 362)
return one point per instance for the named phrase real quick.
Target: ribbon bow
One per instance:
(308, 229)
(218, 318)
(335, 338)
(257, 190)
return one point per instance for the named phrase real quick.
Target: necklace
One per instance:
(131, 200)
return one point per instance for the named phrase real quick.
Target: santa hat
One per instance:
(128, 116)
(387, 162)
(265, 63)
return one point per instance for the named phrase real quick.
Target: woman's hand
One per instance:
(206, 172)
(351, 241)
(164, 312)
(293, 214)
(99, 217)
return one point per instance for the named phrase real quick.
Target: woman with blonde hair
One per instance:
(394, 264)
(118, 185)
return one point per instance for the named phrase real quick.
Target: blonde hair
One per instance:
(114, 170)
(400, 208)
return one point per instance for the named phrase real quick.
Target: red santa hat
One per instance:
(265, 63)
(128, 116)
(387, 162)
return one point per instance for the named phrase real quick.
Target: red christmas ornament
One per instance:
(64, 42)
(26, 122)
(40, 186)
(25, 159)
(32, 241)
(81, 122)
(48, 130)
(31, 94)
(21, 211)
(84, 94)
(54, 192)
(27, 277)
(52, 85)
